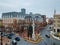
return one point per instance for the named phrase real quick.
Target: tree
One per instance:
(30, 31)
(14, 24)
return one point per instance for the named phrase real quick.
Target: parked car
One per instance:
(10, 34)
(9, 37)
(47, 36)
(14, 42)
(17, 39)
(2, 34)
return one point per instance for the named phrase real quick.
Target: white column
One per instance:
(56, 29)
(33, 35)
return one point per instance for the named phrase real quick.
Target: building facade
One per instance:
(21, 21)
(8, 18)
(57, 23)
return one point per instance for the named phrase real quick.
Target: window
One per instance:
(54, 30)
(58, 30)
(58, 20)
(58, 25)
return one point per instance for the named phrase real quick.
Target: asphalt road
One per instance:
(45, 41)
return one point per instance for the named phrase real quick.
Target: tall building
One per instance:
(56, 26)
(57, 23)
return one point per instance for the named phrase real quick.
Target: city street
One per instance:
(29, 22)
(45, 41)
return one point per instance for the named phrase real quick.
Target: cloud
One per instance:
(15, 3)
(40, 6)
(6, 5)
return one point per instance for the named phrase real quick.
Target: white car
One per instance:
(14, 42)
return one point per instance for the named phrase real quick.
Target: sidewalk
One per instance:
(52, 34)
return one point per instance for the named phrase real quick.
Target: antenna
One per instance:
(54, 11)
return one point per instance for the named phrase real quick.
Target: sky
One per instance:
(44, 7)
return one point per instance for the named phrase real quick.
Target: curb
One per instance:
(57, 38)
